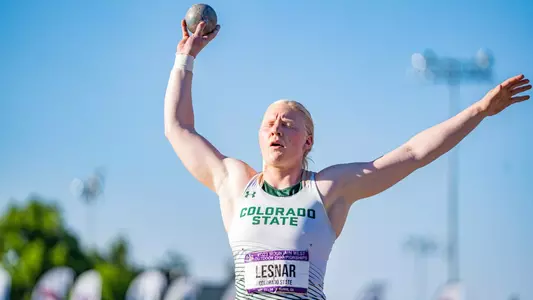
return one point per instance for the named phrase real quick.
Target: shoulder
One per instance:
(335, 182)
(238, 175)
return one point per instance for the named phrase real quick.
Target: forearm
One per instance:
(178, 110)
(431, 143)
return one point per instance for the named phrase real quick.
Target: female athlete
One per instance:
(281, 222)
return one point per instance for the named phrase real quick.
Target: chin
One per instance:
(280, 160)
(273, 159)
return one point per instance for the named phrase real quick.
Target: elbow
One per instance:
(411, 153)
(413, 156)
(418, 157)
(169, 129)
(175, 129)
(168, 133)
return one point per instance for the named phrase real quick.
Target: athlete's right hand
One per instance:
(193, 44)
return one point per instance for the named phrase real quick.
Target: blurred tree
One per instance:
(116, 272)
(174, 265)
(34, 239)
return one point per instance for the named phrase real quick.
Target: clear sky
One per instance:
(82, 86)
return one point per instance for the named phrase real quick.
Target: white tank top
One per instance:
(280, 245)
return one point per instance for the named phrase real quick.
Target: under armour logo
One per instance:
(248, 194)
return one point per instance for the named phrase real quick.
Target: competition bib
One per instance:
(277, 271)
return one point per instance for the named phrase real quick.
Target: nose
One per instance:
(275, 129)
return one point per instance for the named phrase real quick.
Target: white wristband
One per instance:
(184, 62)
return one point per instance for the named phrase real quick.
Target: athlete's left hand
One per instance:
(504, 95)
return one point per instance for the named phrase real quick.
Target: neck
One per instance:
(281, 178)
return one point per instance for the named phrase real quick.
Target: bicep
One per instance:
(360, 180)
(199, 156)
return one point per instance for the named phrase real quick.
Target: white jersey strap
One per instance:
(314, 188)
(251, 182)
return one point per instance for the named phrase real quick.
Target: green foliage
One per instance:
(115, 280)
(115, 270)
(34, 239)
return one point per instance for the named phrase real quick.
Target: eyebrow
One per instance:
(282, 119)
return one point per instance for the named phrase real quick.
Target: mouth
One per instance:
(276, 145)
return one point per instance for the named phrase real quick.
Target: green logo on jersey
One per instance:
(249, 194)
(276, 215)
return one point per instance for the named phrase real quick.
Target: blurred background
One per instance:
(93, 199)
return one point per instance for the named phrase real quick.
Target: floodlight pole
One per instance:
(89, 190)
(453, 72)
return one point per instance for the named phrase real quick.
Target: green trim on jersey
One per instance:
(292, 190)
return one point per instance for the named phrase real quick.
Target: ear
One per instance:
(308, 143)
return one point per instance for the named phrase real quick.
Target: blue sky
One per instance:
(82, 86)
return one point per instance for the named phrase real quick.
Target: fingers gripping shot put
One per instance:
(281, 248)
(198, 13)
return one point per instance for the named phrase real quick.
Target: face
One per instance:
(282, 137)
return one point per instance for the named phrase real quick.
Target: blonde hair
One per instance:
(309, 124)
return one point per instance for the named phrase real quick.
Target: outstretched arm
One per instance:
(198, 155)
(355, 181)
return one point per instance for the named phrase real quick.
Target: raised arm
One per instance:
(355, 181)
(198, 155)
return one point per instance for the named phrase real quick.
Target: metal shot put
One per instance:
(201, 12)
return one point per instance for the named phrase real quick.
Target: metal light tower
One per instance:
(89, 190)
(453, 72)
(375, 290)
(422, 247)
